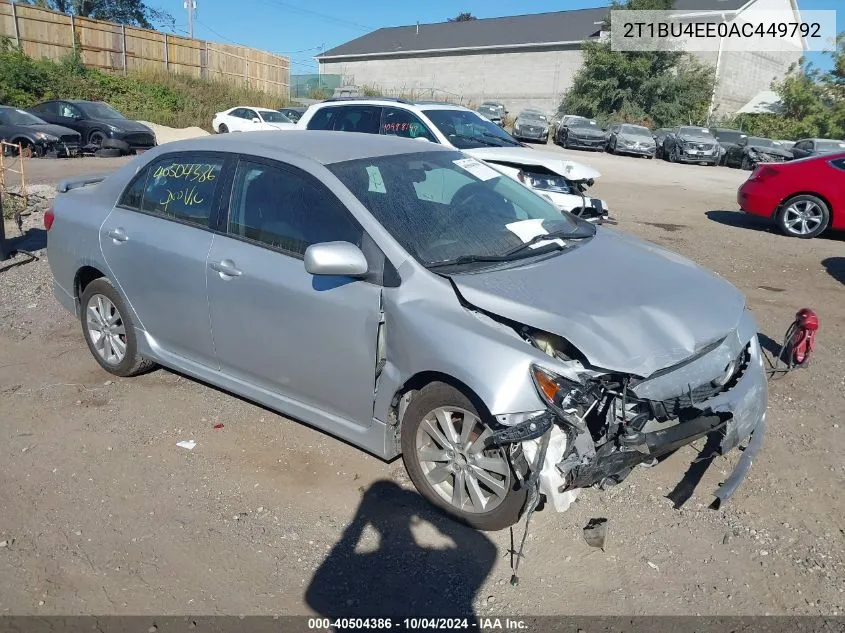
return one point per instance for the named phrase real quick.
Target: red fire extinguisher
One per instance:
(801, 338)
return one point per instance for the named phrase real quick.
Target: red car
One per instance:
(804, 197)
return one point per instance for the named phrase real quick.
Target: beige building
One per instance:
(530, 60)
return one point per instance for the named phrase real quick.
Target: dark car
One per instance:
(727, 138)
(753, 150)
(293, 113)
(689, 144)
(659, 135)
(816, 147)
(493, 113)
(581, 133)
(625, 138)
(530, 125)
(100, 125)
(30, 132)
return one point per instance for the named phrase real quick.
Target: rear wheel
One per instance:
(109, 331)
(443, 438)
(803, 216)
(222, 129)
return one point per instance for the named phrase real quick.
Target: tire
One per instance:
(803, 216)
(100, 299)
(96, 138)
(108, 153)
(222, 129)
(453, 459)
(747, 164)
(673, 155)
(610, 148)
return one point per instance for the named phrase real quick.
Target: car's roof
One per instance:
(324, 147)
(427, 105)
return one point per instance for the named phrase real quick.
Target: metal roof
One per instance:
(532, 30)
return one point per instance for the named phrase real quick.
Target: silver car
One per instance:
(411, 300)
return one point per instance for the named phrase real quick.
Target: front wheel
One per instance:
(109, 331)
(747, 164)
(673, 155)
(443, 447)
(96, 139)
(803, 216)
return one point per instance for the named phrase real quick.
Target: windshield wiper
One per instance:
(468, 259)
(499, 138)
(475, 138)
(554, 235)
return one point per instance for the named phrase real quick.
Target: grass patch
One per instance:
(163, 98)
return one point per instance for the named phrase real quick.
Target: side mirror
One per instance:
(340, 259)
(256, 120)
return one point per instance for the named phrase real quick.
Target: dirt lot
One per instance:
(101, 512)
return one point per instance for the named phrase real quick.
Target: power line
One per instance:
(315, 14)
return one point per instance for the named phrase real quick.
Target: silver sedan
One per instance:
(411, 300)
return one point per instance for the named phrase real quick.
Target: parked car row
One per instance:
(67, 127)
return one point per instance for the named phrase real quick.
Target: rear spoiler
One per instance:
(66, 184)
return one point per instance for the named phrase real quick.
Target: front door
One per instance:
(156, 241)
(308, 339)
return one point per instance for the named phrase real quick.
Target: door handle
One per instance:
(226, 268)
(117, 235)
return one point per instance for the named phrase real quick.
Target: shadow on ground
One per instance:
(32, 240)
(740, 220)
(379, 569)
(835, 267)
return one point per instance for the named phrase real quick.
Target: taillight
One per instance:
(49, 216)
(762, 172)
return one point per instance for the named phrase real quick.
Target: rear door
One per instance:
(156, 241)
(310, 340)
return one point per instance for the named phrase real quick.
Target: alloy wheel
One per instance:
(96, 139)
(450, 447)
(802, 217)
(106, 329)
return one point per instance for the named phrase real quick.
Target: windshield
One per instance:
(11, 116)
(271, 116)
(442, 206)
(488, 111)
(635, 130)
(532, 117)
(694, 131)
(830, 146)
(729, 136)
(468, 130)
(100, 110)
(760, 142)
(581, 122)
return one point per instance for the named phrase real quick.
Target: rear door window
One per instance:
(359, 118)
(399, 122)
(182, 187)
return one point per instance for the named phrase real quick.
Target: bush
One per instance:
(159, 97)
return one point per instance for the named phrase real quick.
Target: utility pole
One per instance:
(191, 6)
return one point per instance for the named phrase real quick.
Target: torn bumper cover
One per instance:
(735, 414)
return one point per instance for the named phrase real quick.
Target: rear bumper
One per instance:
(65, 298)
(755, 199)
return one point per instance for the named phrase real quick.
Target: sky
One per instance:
(300, 30)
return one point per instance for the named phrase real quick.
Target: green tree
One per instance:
(658, 88)
(465, 16)
(130, 12)
(812, 102)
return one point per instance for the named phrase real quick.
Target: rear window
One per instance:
(182, 187)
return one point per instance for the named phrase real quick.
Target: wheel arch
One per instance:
(805, 193)
(84, 276)
(406, 392)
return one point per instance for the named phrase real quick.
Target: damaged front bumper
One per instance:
(735, 414)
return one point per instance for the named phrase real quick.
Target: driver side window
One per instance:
(68, 111)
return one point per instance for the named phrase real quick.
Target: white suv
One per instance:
(563, 182)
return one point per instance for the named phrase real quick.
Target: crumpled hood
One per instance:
(632, 138)
(771, 151)
(55, 130)
(698, 139)
(552, 161)
(587, 132)
(628, 305)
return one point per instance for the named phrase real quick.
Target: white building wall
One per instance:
(535, 79)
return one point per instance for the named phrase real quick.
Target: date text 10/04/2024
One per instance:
(442, 624)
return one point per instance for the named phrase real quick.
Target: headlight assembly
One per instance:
(563, 395)
(113, 128)
(46, 137)
(545, 182)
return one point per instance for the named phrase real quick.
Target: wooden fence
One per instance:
(114, 47)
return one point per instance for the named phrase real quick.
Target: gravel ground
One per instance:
(101, 512)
